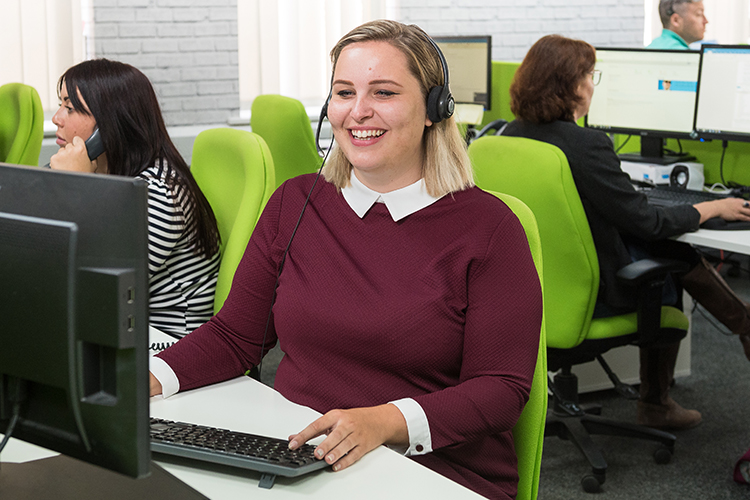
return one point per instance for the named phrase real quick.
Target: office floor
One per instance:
(701, 468)
(704, 458)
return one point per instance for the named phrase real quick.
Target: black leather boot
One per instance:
(707, 286)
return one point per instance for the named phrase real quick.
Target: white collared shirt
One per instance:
(400, 203)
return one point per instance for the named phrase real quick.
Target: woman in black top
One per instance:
(551, 90)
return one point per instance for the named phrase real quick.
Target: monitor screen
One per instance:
(73, 302)
(722, 110)
(469, 61)
(650, 93)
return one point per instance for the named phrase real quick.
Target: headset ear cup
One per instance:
(434, 112)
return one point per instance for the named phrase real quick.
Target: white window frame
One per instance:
(284, 45)
(40, 40)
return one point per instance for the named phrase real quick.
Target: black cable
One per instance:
(724, 145)
(672, 152)
(17, 395)
(283, 260)
(11, 425)
(623, 144)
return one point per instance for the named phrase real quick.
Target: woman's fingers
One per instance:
(353, 433)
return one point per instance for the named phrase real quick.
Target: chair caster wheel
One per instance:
(592, 483)
(663, 455)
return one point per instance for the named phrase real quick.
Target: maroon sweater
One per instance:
(443, 306)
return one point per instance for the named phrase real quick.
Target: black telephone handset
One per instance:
(94, 146)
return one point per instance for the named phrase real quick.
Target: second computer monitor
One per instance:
(723, 106)
(469, 61)
(650, 93)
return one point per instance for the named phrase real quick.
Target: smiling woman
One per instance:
(409, 308)
(378, 115)
(438, 149)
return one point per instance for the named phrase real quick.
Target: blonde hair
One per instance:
(446, 168)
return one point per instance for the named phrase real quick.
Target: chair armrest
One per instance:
(647, 276)
(647, 270)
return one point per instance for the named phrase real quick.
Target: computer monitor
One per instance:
(649, 93)
(722, 109)
(469, 61)
(73, 306)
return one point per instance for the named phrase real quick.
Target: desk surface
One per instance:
(734, 241)
(247, 405)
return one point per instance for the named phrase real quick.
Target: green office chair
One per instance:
(528, 433)
(539, 175)
(234, 170)
(502, 76)
(21, 124)
(283, 123)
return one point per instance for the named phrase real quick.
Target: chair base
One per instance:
(579, 428)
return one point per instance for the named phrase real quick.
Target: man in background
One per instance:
(684, 23)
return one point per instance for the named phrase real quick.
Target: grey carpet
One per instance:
(702, 466)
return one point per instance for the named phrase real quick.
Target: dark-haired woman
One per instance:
(550, 92)
(183, 238)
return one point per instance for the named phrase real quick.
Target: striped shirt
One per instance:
(181, 282)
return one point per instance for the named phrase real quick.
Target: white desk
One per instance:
(734, 241)
(246, 405)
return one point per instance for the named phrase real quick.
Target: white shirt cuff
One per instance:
(420, 440)
(166, 377)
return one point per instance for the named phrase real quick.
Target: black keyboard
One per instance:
(667, 196)
(269, 456)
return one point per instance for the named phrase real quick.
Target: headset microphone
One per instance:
(323, 115)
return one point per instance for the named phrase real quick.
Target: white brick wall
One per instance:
(516, 24)
(187, 48)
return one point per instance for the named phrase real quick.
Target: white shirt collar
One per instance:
(400, 203)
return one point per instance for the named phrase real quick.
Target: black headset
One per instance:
(440, 102)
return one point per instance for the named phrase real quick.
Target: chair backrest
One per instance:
(234, 170)
(21, 124)
(502, 76)
(283, 123)
(528, 433)
(538, 174)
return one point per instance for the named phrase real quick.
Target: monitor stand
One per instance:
(652, 152)
(64, 478)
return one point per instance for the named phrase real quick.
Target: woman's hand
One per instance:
(353, 433)
(727, 209)
(73, 157)
(154, 385)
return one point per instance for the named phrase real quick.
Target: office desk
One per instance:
(247, 405)
(733, 241)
